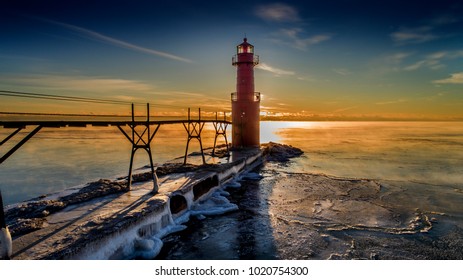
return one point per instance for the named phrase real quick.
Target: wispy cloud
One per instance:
(341, 71)
(278, 12)
(413, 35)
(438, 55)
(344, 109)
(434, 61)
(397, 58)
(425, 33)
(391, 102)
(184, 94)
(115, 88)
(444, 20)
(388, 63)
(456, 78)
(79, 83)
(277, 71)
(431, 63)
(292, 37)
(116, 42)
(306, 78)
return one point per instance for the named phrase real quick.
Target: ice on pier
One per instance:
(114, 223)
(215, 205)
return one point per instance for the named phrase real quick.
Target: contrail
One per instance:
(119, 43)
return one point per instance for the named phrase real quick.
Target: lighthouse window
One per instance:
(245, 49)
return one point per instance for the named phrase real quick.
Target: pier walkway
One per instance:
(112, 226)
(140, 133)
(101, 226)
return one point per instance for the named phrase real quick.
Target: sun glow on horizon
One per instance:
(409, 70)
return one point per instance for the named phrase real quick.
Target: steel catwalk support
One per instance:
(220, 129)
(141, 141)
(11, 135)
(22, 142)
(194, 129)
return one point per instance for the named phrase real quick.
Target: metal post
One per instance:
(194, 129)
(220, 129)
(215, 127)
(225, 131)
(145, 145)
(7, 246)
(199, 135)
(129, 182)
(148, 119)
(188, 140)
(201, 147)
(148, 149)
(153, 173)
(134, 149)
(2, 213)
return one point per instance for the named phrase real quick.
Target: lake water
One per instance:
(426, 152)
(59, 158)
(412, 210)
(417, 165)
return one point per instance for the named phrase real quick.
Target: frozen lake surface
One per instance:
(361, 190)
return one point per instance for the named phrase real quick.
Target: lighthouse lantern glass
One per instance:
(250, 49)
(245, 49)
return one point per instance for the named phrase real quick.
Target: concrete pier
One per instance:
(100, 228)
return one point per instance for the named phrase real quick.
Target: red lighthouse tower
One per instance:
(245, 101)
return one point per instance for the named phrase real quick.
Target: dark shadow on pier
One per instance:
(245, 234)
(55, 231)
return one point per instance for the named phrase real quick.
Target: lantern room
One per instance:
(245, 47)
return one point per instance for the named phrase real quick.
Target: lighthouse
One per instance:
(245, 101)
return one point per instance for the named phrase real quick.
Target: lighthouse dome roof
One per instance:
(245, 42)
(245, 47)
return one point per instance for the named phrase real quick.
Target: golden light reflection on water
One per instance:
(426, 152)
(59, 158)
(268, 129)
(417, 188)
(429, 152)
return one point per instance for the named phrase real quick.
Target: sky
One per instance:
(318, 59)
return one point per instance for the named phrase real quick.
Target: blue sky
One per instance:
(317, 58)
